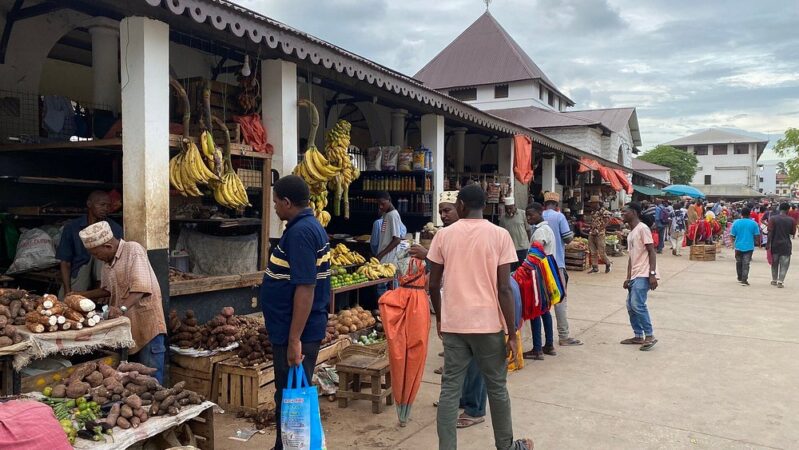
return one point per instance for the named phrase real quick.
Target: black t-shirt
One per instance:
(781, 228)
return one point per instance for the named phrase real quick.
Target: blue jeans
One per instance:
(544, 321)
(636, 307)
(474, 394)
(153, 354)
(662, 236)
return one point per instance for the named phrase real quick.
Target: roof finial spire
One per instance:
(488, 3)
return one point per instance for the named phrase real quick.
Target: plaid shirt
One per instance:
(599, 221)
(131, 281)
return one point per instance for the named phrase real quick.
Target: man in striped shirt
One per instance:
(295, 293)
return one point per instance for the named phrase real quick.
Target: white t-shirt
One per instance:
(543, 234)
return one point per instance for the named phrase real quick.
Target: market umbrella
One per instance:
(405, 313)
(683, 189)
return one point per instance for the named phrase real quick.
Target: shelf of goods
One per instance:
(214, 283)
(411, 192)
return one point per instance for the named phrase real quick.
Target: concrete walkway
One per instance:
(723, 375)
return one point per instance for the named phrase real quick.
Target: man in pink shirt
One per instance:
(641, 277)
(473, 258)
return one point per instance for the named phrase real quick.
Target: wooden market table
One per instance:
(354, 287)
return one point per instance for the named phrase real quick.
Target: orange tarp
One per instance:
(628, 187)
(523, 158)
(587, 164)
(405, 313)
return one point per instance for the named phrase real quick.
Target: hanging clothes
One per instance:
(523, 158)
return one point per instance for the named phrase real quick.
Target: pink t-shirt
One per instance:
(636, 245)
(471, 250)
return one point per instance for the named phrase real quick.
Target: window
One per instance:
(700, 149)
(707, 179)
(741, 149)
(501, 91)
(540, 91)
(719, 149)
(761, 179)
(551, 98)
(464, 95)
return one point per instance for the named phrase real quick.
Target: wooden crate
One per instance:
(702, 252)
(200, 374)
(576, 260)
(203, 428)
(52, 378)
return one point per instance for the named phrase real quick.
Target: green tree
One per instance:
(682, 164)
(781, 169)
(788, 147)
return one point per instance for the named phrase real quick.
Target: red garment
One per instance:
(628, 187)
(30, 425)
(655, 238)
(254, 133)
(794, 215)
(756, 217)
(610, 176)
(523, 158)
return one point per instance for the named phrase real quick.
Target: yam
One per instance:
(134, 402)
(228, 330)
(114, 312)
(353, 328)
(106, 370)
(123, 423)
(227, 311)
(82, 371)
(79, 303)
(77, 389)
(14, 308)
(143, 416)
(3, 321)
(190, 322)
(126, 411)
(59, 391)
(95, 379)
(135, 389)
(147, 396)
(5, 341)
(4, 311)
(173, 410)
(184, 344)
(217, 321)
(113, 415)
(134, 422)
(17, 338)
(9, 330)
(138, 367)
(28, 305)
(71, 314)
(183, 336)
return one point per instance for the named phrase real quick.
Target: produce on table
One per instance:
(374, 270)
(222, 330)
(369, 339)
(254, 345)
(578, 243)
(352, 320)
(331, 333)
(337, 143)
(47, 313)
(341, 255)
(15, 304)
(185, 333)
(341, 278)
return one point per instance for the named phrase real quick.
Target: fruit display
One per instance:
(337, 142)
(78, 417)
(374, 270)
(341, 278)
(229, 191)
(341, 255)
(578, 243)
(212, 155)
(187, 170)
(369, 339)
(74, 313)
(315, 168)
(352, 320)
(331, 333)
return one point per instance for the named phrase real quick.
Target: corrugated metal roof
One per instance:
(483, 54)
(533, 117)
(639, 164)
(614, 119)
(715, 136)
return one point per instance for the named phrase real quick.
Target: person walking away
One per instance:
(477, 316)
(563, 235)
(662, 220)
(596, 235)
(543, 234)
(641, 278)
(295, 292)
(743, 233)
(781, 229)
(79, 270)
(128, 280)
(678, 226)
(649, 209)
(516, 225)
(390, 234)
(794, 214)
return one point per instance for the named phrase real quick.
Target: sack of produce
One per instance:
(419, 160)
(390, 158)
(374, 158)
(300, 423)
(405, 162)
(35, 250)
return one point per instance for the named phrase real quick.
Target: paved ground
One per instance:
(722, 376)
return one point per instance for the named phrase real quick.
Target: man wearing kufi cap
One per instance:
(516, 225)
(128, 280)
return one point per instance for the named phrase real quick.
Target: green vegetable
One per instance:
(48, 391)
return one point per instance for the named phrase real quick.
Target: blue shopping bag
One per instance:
(300, 423)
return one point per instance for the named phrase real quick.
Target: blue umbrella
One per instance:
(682, 189)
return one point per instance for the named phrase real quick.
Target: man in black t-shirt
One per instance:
(780, 229)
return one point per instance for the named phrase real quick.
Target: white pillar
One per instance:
(433, 138)
(105, 63)
(548, 180)
(145, 118)
(460, 148)
(279, 94)
(398, 127)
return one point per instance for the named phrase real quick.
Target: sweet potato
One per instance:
(9, 330)
(113, 415)
(138, 367)
(123, 423)
(134, 422)
(134, 401)
(79, 303)
(14, 308)
(77, 389)
(106, 370)
(94, 379)
(135, 389)
(82, 372)
(228, 311)
(59, 391)
(5, 341)
(126, 411)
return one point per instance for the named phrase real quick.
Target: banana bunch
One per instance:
(315, 168)
(230, 192)
(318, 203)
(212, 155)
(341, 255)
(374, 270)
(187, 170)
(337, 141)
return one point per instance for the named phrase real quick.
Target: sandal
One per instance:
(570, 341)
(465, 421)
(550, 350)
(532, 354)
(439, 371)
(633, 341)
(523, 444)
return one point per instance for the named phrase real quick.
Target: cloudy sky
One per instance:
(685, 64)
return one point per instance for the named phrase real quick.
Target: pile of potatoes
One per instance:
(331, 333)
(352, 320)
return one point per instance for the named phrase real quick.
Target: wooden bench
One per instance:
(356, 370)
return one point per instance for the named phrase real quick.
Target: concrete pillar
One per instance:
(433, 138)
(548, 180)
(144, 46)
(105, 63)
(460, 148)
(398, 127)
(279, 94)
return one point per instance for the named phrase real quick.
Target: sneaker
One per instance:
(638, 340)
(594, 270)
(649, 342)
(550, 350)
(744, 283)
(608, 267)
(570, 342)
(780, 285)
(774, 282)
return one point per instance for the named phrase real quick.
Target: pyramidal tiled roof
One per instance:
(483, 54)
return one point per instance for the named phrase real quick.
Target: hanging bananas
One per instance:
(337, 142)
(187, 170)
(212, 155)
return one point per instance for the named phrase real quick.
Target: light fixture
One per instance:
(245, 69)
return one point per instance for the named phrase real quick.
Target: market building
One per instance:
(655, 170)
